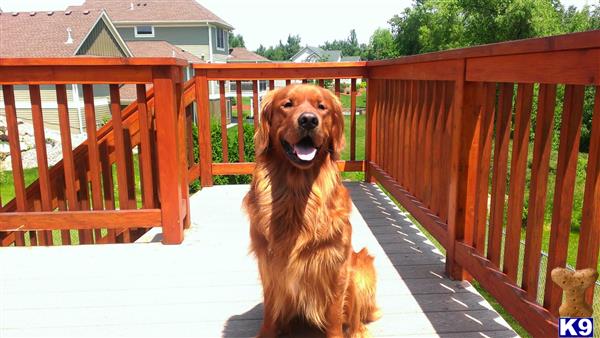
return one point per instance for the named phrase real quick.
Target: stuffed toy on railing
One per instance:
(574, 284)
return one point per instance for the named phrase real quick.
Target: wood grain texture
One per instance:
(518, 168)
(146, 150)
(113, 219)
(538, 188)
(240, 120)
(500, 171)
(564, 187)
(204, 140)
(223, 107)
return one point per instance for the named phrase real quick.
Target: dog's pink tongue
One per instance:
(305, 153)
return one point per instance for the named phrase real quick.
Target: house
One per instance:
(182, 23)
(316, 54)
(75, 32)
(242, 55)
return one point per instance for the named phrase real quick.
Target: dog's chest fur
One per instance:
(302, 238)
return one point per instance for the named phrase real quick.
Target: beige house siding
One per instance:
(101, 42)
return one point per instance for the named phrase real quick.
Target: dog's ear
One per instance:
(261, 136)
(337, 131)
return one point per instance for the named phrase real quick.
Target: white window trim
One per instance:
(217, 42)
(135, 32)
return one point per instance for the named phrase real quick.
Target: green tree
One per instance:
(236, 40)
(381, 46)
(349, 46)
(281, 52)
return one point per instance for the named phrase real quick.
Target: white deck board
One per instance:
(209, 285)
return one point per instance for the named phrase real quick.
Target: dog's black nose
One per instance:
(308, 121)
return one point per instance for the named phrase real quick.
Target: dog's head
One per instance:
(301, 124)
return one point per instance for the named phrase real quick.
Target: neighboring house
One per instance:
(316, 54)
(242, 55)
(183, 23)
(75, 32)
(60, 34)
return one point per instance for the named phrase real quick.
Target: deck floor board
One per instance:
(209, 285)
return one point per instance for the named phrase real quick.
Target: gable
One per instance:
(101, 42)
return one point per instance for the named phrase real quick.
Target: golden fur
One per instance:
(299, 226)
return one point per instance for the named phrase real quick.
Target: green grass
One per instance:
(361, 100)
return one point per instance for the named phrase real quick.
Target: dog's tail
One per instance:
(364, 279)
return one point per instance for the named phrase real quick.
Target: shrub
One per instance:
(217, 153)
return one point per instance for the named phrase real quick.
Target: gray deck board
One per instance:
(209, 285)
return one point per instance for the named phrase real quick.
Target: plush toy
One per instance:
(574, 284)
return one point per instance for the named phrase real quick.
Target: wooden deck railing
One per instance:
(78, 193)
(439, 137)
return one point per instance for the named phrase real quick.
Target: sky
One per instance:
(268, 21)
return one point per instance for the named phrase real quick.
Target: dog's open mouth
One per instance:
(302, 152)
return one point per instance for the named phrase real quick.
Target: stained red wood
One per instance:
(437, 70)
(166, 112)
(352, 119)
(107, 186)
(370, 126)
(402, 104)
(483, 173)
(538, 188)
(518, 171)
(223, 107)
(255, 112)
(284, 71)
(429, 161)
(502, 140)
(463, 171)
(288, 82)
(337, 87)
(145, 156)
(589, 232)
(322, 82)
(271, 84)
(182, 140)
(93, 150)
(120, 154)
(395, 126)
(246, 168)
(80, 219)
(45, 237)
(204, 140)
(538, 321)
(15, 154)
(562, 210)
(240, 120)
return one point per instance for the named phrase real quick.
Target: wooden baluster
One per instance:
(424, 112)
(182, 132)
(502, 140)
(337, 88)
(401, 130)
(145, 153)
(166, 103)
(371, 125)
(384, 114)
(518, 170)
(446, 153)
(464, 165)
(288, 82)
(353, 120)
(271, 84)
(589, 234)
(107, 186)
(304, 81)
(395, 127)
(67, 151)
(564, 187)
(120, 156)
(429, 162)
(222, 105)
(93, 151)
(483, 174)
(204, 140)
(45, 237)
(240, 118)
(255, 111)
(15, 155)
(322, 83)
(65, 235)
(538, 188)
(86, 236)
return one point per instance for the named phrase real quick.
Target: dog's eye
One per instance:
(322, 106)
(288, 104)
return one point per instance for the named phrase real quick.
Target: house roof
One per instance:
(325, 55)
(350, 58)
(44, 34)
(241, 54)
(154, 11)
(160, 49)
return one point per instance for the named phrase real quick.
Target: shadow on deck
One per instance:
(209, 285)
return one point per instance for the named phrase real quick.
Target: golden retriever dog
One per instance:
(299, 219)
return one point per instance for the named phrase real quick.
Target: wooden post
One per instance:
(463, 171)
(168, 143)
(204, 142)
(370, 144)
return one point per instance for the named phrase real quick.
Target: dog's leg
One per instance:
(335, 310)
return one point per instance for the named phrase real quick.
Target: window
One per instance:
(221, 38)
(144, 31)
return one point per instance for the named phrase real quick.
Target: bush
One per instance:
(233, 156)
